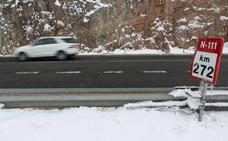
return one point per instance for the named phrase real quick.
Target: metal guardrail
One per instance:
(102, 97)
(81, 96)
(82, 90)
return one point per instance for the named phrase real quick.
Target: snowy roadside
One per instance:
(143, 121)
(111, 124)
(144, 51)
(191, 100)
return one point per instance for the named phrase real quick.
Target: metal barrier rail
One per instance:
(102, 97)
(81, 96)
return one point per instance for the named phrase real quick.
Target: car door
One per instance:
(43, 47)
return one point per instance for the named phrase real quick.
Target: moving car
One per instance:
(60, 47)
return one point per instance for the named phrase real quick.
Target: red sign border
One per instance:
(218, 60)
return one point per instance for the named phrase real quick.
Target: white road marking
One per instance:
(155, 71)
(69, 72)
(188, 71)
(32, 72)
(115, 72)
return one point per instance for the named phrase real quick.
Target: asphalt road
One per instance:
(103, 72)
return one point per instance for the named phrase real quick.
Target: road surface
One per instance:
(103, 72)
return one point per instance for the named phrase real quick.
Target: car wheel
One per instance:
(22, 56)
(61, 55)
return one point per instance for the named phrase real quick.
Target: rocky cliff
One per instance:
(111, 24)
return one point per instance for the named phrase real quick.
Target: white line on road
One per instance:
(155, 71)
(32, 72)
(188, 71)
(115, 72)
(69, 72)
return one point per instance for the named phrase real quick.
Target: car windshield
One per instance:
(69, 40)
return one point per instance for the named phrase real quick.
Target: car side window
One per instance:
(69, 40)
(45, 41)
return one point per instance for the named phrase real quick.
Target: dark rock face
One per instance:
(156, 24)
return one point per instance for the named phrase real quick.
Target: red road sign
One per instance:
(206, 60)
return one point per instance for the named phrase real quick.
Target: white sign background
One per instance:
(205, 59)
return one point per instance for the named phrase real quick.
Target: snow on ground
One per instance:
(132, 122)
(111, 124)
(145, 51)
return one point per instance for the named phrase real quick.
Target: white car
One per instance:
(59, 47)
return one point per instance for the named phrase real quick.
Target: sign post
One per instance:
(203, 90)
(205, 65)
